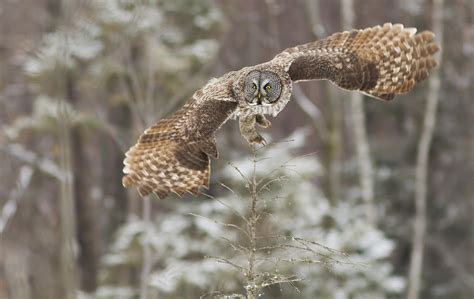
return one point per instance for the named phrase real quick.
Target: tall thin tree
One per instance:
(361, 142)
(421, 175)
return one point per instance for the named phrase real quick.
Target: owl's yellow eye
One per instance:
(268, 87)
(254, 86)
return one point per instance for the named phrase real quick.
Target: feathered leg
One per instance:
(262, 121)
(248, 131)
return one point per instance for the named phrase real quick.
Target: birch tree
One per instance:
(329, 128)
(421, 177)
(364, 162)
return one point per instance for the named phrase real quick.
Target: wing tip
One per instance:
(144, 189)
(386, 97)
(128, 181)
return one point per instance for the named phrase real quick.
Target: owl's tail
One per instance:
(161, 164)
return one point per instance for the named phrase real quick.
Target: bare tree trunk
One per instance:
(67, 215)
(147, 257)
(142, 104)
(419, 225)
(333, 144)
(118, 115)
(332, 130)
(358, 124)
(67, 258)
(312, 10)
(16, 269)
(87, 232)
(54, 8)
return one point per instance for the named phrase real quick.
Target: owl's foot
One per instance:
(248, 131)
(258, 140)
(262, 121)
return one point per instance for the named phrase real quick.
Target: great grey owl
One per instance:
(174, 154)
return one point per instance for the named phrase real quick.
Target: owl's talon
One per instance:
(262, 121)
(258, 140)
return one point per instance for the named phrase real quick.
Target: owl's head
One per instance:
(262, 88)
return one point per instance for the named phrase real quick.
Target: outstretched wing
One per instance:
(173, 155)
(381, 61)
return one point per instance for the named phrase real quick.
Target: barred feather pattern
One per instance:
(151, 165)
(380, 61)
(174, 154)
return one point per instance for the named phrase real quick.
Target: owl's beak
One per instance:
(259, 98)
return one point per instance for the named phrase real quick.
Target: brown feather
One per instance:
(381, 61)
(173, 155)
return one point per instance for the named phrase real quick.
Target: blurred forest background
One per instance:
(377, 201)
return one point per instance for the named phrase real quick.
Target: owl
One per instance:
(174, 154)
